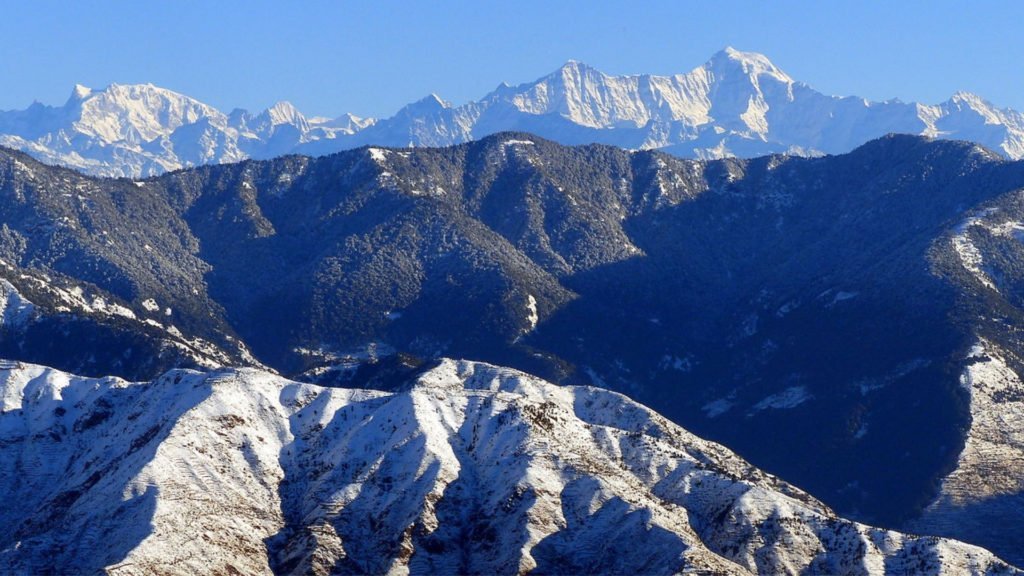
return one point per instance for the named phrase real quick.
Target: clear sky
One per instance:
(370, 58)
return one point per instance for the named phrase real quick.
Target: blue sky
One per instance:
(371, 58)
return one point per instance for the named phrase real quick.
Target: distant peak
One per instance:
(503, 87)
(572, 72)
(283, 106)
(283, 112)
(751, 63)
(430, 102)
(576, 66)
(733, 54)
(966, 97)
(968, 101)
(80, 92)
(437, 99)
(117, 89)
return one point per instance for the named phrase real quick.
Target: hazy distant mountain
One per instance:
(466, 469)
(736, 104)
(144, 130)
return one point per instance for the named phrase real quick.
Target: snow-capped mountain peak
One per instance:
(344, 124)
(79, 92)
(429, 104)
(284, 112)
(582, 95)
(574, 69)
(119, 110)
(751, 64)
(962, 100)
(736, 104)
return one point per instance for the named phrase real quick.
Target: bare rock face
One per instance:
(469, 469)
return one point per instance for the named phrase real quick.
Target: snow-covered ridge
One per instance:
(985, 492)
(736, 104)
(143, 130)
(239, 471)
(17, 311)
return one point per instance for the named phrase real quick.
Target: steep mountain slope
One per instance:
(103, 277)
(815, 314)
(468, 469)
(736, 104)
(984, 495)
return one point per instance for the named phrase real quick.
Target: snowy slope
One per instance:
(143, 130)
(469, 469)
(983, 497)
(736, 104)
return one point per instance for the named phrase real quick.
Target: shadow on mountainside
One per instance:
(72, 466)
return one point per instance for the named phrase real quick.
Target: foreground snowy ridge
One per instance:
(469, 469)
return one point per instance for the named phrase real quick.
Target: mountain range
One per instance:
(465, 469)
(736, 104)
(846, 322)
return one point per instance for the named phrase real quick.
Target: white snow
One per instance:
(789, 398)
(723, 105)
(684, 364)
(198, 473)
(1009, 228)
(869, 385)
(971, 259)
(786, 308)
(377, 155)
(718, 407)
(15, 309)
(75, 298)
(531, 312)
(986, 482)
(843, 295)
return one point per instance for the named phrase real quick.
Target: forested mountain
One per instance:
(846, 322)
